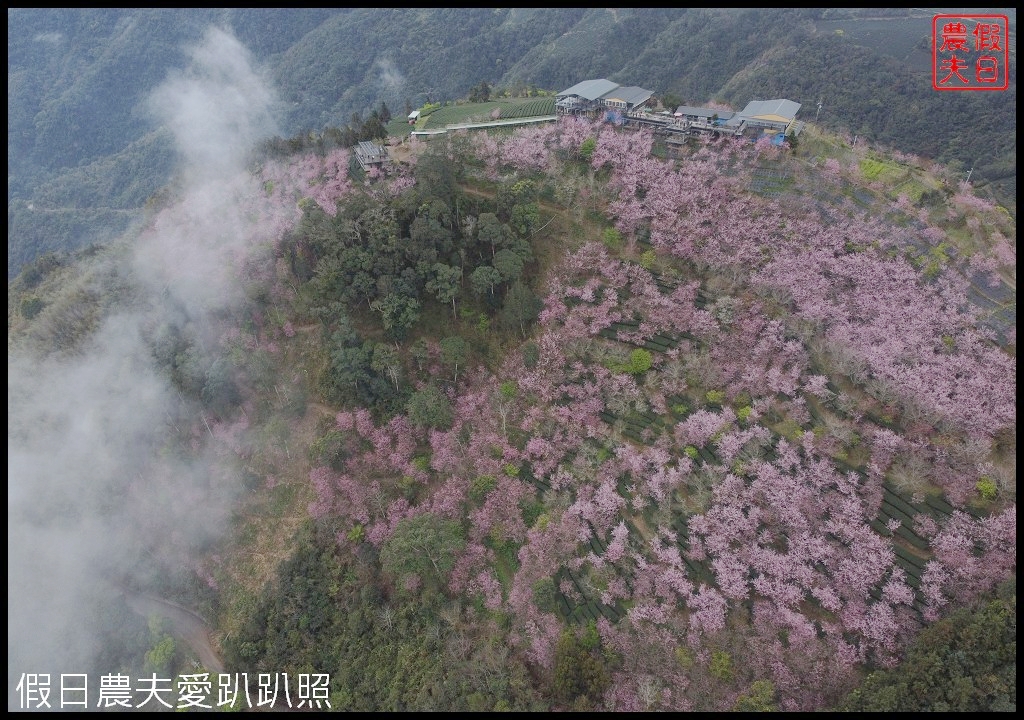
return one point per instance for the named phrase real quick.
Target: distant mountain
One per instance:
(78, 81)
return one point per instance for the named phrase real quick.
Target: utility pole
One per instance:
(969, 173)
(819, 110)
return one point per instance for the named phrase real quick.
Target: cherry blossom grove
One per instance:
(757, 473)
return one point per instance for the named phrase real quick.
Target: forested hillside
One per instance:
(562, 418)
(85, 153)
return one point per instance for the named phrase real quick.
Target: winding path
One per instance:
(185, 624)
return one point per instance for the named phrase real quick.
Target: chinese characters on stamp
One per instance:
(970, 52)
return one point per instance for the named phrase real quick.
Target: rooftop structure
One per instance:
(773, 115)
(775, 110)
(589, 89)
(593, 96)
(626, 97)
(698, 113)
(369, 154)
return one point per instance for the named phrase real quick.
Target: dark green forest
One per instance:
(398, 653)
(966, 662)
(84, 155)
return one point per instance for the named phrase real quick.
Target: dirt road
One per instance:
(184, 624)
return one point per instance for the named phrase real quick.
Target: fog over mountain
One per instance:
(97, 493)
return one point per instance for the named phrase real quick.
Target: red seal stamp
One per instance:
(970, 52)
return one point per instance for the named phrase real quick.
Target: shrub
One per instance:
(612, 239)
(589, 639)
(639, 362)
(481, 486)
(987, 488)
(579, 676)
(483, 324)
(721, 665)
(587, 148)
(356, 534)
(545, 595)
(430, 408)
(531, 355)
(759, 698)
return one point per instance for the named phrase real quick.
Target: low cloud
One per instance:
(390, 76)
(217, 108)
(100, 487)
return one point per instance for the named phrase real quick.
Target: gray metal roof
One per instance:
(785, 108)
(631, 95)
(590, 89)
(703, 112)
(696, 111)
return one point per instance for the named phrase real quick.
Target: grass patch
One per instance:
(481, 112)
(912, 188)
(283, 499)
(506, 564)
(873, 169)
(399, 127)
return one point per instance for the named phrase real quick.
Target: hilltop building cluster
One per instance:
(633, 106)
(630, 105)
